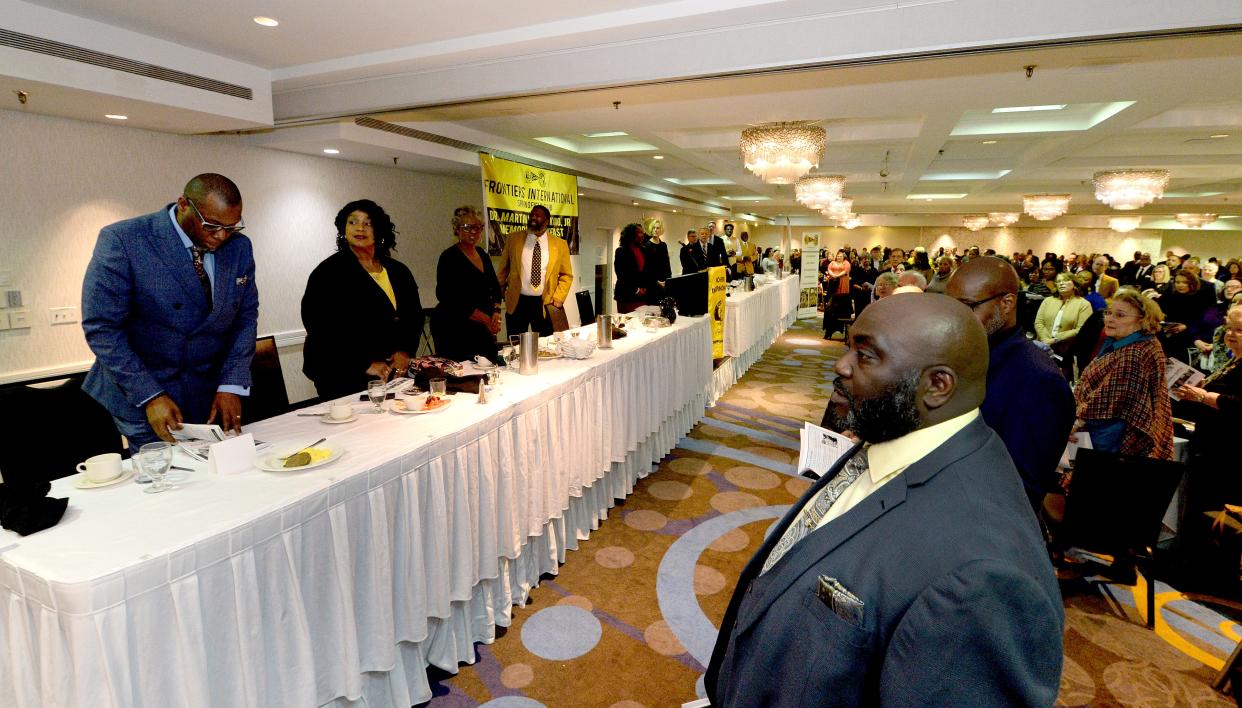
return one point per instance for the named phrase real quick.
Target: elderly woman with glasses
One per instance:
(361, 310)
(467, 315)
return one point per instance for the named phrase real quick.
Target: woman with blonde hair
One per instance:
(1121, 397)
(657, 250)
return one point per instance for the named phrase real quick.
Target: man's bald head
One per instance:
(210, 185)
(989, 287)
(913, 361)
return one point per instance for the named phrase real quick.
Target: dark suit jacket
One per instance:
(716, 253)
(147, 319)
(693, 259)
(350, 322)
(960, 603)
(630, 278)
(657, 254)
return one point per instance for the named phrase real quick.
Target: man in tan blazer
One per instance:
(534, 272)
(1105, 285)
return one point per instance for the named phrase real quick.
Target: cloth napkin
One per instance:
(26, 508)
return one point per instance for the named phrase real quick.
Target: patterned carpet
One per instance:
(631, 618)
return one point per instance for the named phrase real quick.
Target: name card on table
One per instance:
(232, 456)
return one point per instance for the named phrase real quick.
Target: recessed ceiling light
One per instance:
(958, 195)
(265, 21)
(989, 142)
(674, 211)
(657, 157)
(332, 151)
(1218, 136)
(116, 116)
(607, 134)
(634, 203)
(1027, 109)
(582, 194)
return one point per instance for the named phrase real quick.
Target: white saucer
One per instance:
(400, 408)
(333, 421)
(81, 482)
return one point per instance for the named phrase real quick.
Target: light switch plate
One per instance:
(63, 315)
(19, 319)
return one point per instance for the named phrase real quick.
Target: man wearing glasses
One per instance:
(1028, 402)
(170, 307)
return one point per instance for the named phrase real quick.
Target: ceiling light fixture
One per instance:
(1003, 218)
(780, 153)
(1124, 224)
(975, 222)
(838, 209)
(818, 191)
(851, 221)
(657, 157)
(1045, 207)
(989, 142)
(635, 203)
(607, 134)
(1219, 136)
(1195, 221)
(1029, 109)
(1130, 189)
(265, 21)
(332, 151)
(116, 116)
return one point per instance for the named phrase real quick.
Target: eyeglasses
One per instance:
(1119, 314)
(976, 304)
(471, 228)
(215, 228)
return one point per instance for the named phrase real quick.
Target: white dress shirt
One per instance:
(528, 253)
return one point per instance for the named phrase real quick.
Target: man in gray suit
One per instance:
(913, 573)
(170, 309)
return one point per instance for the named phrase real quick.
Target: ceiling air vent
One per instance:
(39, 45)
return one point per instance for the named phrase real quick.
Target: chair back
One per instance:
(427, 343)
(586, 311)
(55, 428)
(1115, 503)
(268, 397)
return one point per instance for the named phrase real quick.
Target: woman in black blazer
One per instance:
(361, 310)
(636, 283)
(467, 315)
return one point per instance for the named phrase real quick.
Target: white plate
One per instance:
(399, 407)
(273, 463)
(81, 482)
(333, 421)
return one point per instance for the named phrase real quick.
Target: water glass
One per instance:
(377, 391)
(438, 387)
(154, 459)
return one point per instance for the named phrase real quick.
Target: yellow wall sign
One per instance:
(717, 284)
(510, 189)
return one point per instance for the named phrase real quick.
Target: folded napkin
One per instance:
(26, 508)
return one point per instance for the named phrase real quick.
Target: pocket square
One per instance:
(243, 280)
(842, 602)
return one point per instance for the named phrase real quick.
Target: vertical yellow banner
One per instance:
(717, 284)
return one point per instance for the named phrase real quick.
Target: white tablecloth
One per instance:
(753, 321)
(342, 583)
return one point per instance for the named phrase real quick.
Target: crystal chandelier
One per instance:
(1045, 207)
(1003, 218)
(849, 221)
(1130, 189)
(838, 208)
(975, 222)
(1195, 221)
(780, 153)
(1124, 224)
(818, 191)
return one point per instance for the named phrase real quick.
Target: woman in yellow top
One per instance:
(361, 309)
(1059, 318)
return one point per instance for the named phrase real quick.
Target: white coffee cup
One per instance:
(101, 468)
(340, 411)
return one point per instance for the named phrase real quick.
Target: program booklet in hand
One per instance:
(821, 448)
(1177, 374)
(195, 438)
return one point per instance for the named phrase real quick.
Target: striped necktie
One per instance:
(810, 517)
(201, 271)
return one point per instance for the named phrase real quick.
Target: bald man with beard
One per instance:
(913, 572)
(1028, 403)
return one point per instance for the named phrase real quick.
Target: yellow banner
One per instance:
(717, 284)
(511, 189)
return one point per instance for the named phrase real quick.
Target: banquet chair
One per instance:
(54, 428)
(1114, 506)
(268, 397)
(427, 344)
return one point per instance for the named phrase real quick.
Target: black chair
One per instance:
(1114, 506)
(427, 345)
(56, 427)
(268, 397)
(586, 311)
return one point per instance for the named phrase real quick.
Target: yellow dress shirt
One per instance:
(886, 460)
(381, 279)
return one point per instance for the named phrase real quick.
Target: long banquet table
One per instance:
(340, 585)
(753, 320)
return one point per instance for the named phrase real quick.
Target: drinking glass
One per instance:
(154, 459)
(377, 391)
(439, 387)
(515, 341)
(506, 353)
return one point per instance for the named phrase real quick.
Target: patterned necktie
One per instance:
(809, 519)
(536, 266)
(201, 271)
